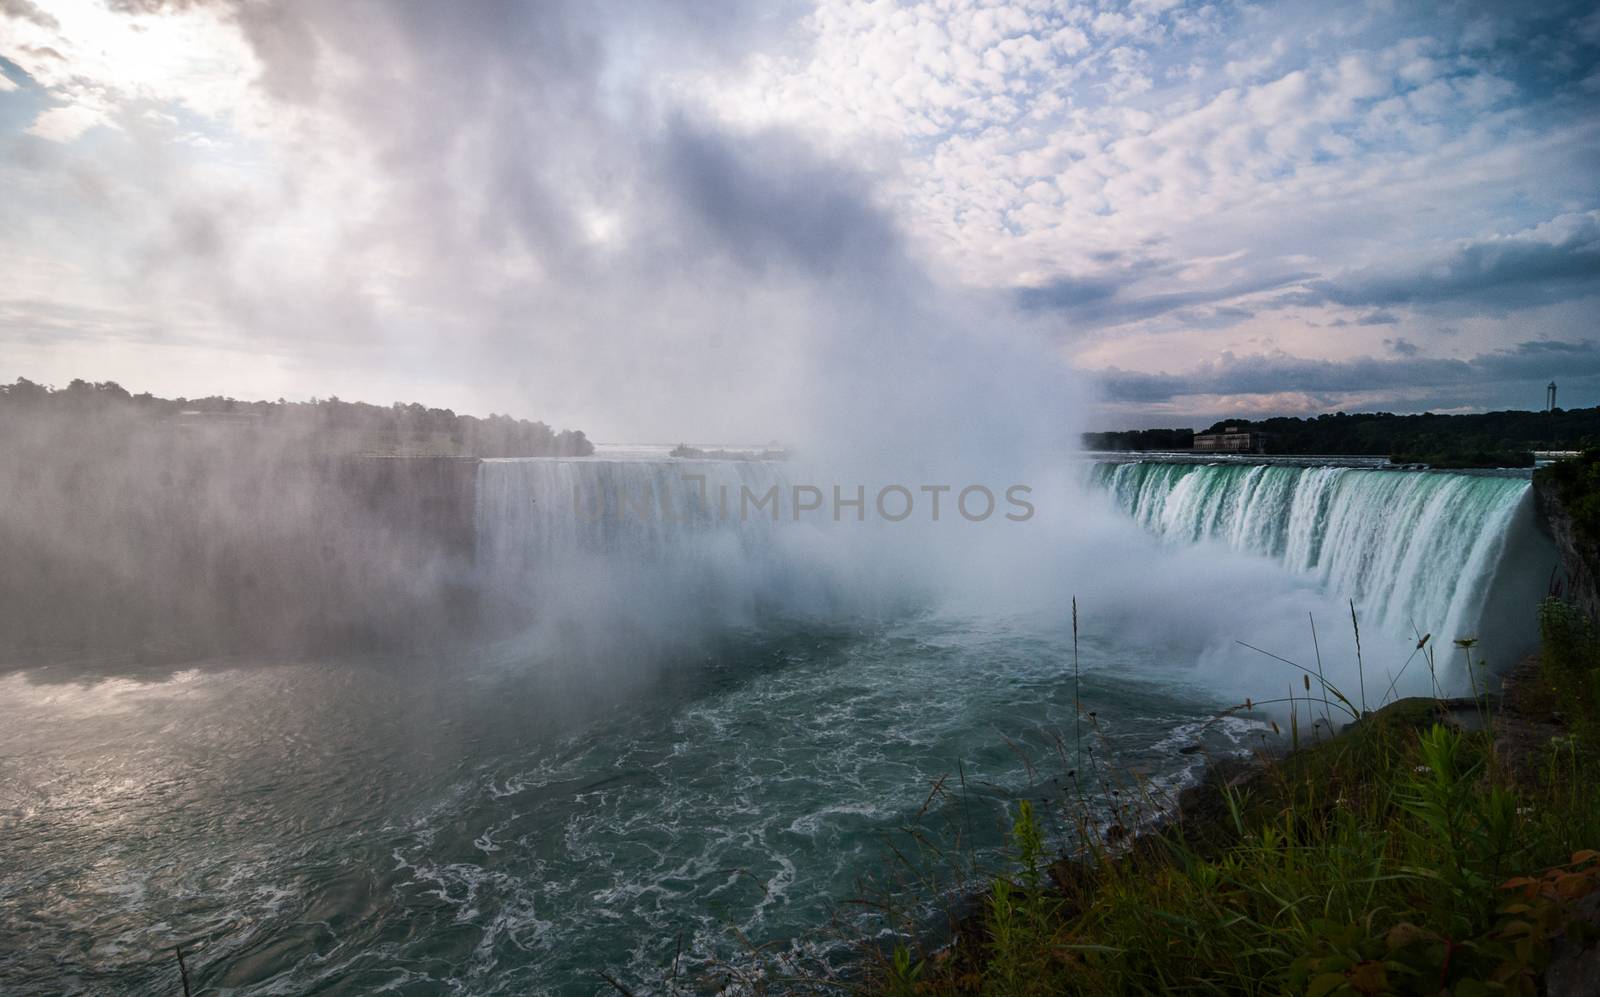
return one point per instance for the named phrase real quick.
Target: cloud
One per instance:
(1555, 261)
(1069, 293)
(96, 65)
(523, 205)
(26, 10)
(45, 322)
(1108, 301)
(766, 199)
(511, 204)
(63, 124)
(1474, 380)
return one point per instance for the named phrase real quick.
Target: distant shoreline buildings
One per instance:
(1423, 434)
(1231, 439)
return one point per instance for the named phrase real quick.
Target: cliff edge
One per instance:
(1565, 496)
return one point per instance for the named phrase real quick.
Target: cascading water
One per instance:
(660, 546)
(1451, 554)
(701, 742)
(539, 514)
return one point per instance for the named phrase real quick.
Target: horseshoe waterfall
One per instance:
(1454, 555)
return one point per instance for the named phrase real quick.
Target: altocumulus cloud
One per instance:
(1502, 375)
(524, 206)
(506, 196)
(1556, 261)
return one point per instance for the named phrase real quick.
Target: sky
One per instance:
(710, 220)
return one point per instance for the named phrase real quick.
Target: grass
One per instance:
(1403, 855)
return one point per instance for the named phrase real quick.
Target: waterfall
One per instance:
(539, 513)
(658, 544)
(1419, 551)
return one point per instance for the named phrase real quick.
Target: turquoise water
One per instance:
(715, 741)
(488, 824)
(1418, 550)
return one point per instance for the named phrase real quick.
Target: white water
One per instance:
(540, 516)
(511, 819)
(1420, 552)
(666, 544)
(619, 557)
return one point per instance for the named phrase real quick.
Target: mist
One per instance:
(657, 274)
(517, 497)
(654, 275)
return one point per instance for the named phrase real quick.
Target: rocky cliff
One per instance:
(1580, 556)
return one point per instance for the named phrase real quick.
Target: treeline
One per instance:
(1385, 434)
(1140, 439)
(1577, 485)
(329, 425)
(186, 527)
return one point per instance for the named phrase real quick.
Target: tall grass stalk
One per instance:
(1395, 857)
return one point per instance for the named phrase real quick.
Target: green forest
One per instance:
(324, 424)
(1426, 437)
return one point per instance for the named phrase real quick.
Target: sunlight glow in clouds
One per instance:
(97, 61)
(1213, 207)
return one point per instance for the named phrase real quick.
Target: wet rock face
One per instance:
(1580, 560)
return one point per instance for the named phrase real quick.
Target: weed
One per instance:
(1394, 857)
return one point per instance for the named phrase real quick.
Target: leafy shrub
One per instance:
(1576, 483)
(1568, 637)
(1383, 861)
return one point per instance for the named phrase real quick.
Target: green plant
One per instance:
(1577, 484)
(1021, 916)
(1371, 861)
(1472, 825)
(1567, 636)
(903, 973)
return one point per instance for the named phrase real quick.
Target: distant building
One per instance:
(194, 417)
(1232, 439)
(1550, 397)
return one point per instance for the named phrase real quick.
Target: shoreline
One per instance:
(1235, 800)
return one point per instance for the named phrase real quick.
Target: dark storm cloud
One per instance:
(496, 125)
(767, 200)
(1559, 261)
(544, 196)
(1068, 294)
(1460, 381)
(578, 235)
(1492, 275)
(1547, 47)
(1103, 301)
